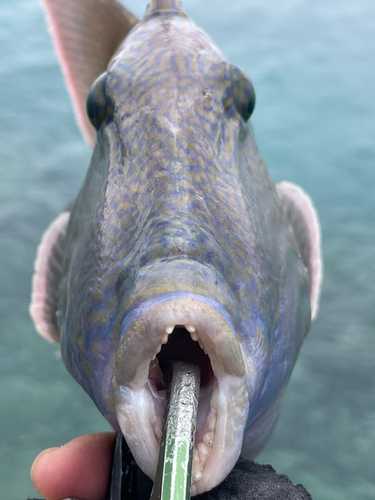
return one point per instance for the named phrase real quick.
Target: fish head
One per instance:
(179, 246)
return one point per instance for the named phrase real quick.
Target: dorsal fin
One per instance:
(303, 218)
(47, 276)
(86, 34)
(164, 7)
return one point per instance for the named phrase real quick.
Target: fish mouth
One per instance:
(194, 331)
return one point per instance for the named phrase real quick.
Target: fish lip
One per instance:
(135, 403)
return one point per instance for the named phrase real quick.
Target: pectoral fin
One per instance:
(304, 221)
(47, 277)
(86, 33)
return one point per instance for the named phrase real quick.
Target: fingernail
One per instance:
(33, 467)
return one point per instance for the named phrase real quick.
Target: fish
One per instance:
(178, 245)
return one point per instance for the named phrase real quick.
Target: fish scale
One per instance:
(178, 223)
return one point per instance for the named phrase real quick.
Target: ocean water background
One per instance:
(312, 64)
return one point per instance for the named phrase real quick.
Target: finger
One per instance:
(80, 469)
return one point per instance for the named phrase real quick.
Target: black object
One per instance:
(251, 481)
(247, 481)
(128, 481)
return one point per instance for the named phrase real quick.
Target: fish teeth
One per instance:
(169, 330)
(197, 475)
(190, 328)
(212, 422)
(208, 438)
(158, 349)
(197, 471)
(203, 451)
(164, 340)
(214, 403)
(194, 336)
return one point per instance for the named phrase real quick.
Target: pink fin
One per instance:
(46, 279)
(304, 219)
(86, 33)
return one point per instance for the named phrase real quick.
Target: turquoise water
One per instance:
(312, 64)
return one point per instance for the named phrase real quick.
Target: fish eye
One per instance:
(97, 102)
(243, 92)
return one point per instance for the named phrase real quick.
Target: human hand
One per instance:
(79, 469)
